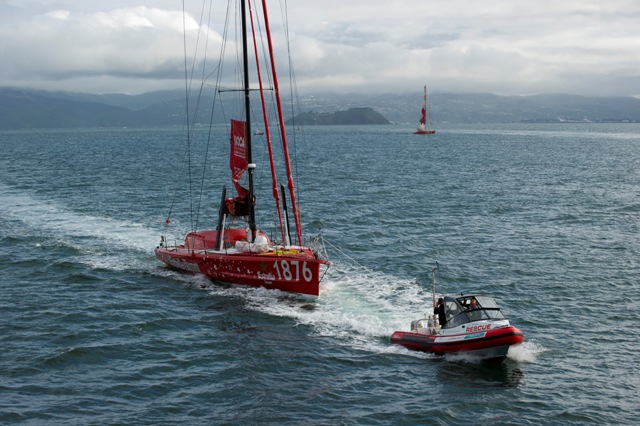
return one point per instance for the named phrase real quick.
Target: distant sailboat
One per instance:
(422, 127)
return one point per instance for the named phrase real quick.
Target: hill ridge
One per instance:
(31, 109)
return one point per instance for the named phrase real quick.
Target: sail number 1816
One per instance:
(291, 270)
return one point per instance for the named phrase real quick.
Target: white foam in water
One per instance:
(103, 239)
(528, 351)
(362, 308)
(358, 307)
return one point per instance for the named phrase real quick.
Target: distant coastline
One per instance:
(36, 109)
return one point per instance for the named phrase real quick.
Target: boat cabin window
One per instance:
(461, 310)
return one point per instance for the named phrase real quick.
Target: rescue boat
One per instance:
(473, 324)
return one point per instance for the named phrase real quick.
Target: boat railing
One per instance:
(424, 326)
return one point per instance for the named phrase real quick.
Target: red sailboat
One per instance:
(422, 127)
(246, 255)
(467, 324)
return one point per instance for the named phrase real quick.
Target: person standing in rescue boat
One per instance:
(439, 309)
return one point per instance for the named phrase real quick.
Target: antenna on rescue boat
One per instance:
(433, 289)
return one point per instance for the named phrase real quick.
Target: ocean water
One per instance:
(544, 217)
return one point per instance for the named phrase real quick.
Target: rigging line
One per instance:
(192, 116)
(272, 101)
(217, 72)
(189, 118)
(267, 131)
(186, 90)
(293, 96)
(219, 68)
(272, 95)
(181, 171)
(346, 255)
(245, 14)
(185, 127)
(287, 160)
(200, 93)
(297, 130)
(270, 88)
(204, 78)
(176, 182)
(195, 50)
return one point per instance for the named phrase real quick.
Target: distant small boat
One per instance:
(473, 325)
(258, 132)
(422, 127)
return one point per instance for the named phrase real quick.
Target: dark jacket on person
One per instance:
(442, 318)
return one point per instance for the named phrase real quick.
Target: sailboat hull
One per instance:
(293, 270)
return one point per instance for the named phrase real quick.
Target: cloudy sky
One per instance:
(585, 47)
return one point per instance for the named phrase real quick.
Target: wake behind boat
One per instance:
(470, 323)
(244, 254)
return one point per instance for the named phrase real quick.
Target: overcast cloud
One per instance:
(586, 47)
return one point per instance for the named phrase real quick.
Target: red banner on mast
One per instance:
(238, 158)
(238, 163)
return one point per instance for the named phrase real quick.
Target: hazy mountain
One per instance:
(350, 116)
(27, 109)
(483, 107)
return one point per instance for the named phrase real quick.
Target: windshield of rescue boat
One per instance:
(459, 311)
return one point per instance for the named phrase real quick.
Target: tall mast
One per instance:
(285, 146)
(424, 106)
(247, 106)
(267, 132)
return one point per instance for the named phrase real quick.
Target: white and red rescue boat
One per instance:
(472, 324)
